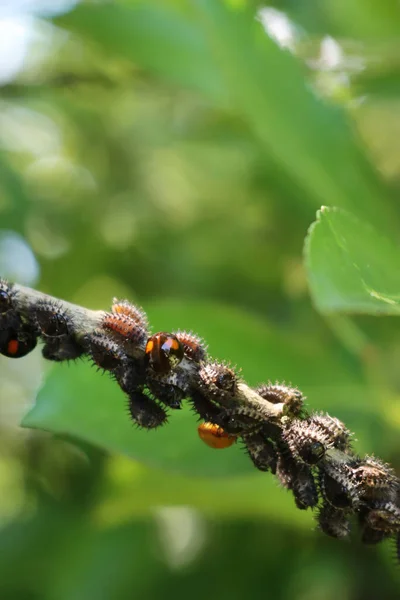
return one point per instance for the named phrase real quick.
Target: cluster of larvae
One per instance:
(310, 454)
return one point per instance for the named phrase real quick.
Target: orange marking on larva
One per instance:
(121, 309)
(214, 436)
(12, 347)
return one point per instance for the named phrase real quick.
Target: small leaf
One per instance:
(351, 266)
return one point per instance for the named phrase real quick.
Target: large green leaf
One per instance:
(158, 38)
(247, 494)
(312, 140)
(226, 54)
(352, 267)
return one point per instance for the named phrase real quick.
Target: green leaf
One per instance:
(225, 54)
(240, 495)
(351, 266)
(372, 20)
(157, 38)
(380, 84)
(311, 140)
(14, 195)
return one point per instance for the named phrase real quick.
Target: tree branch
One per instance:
(87, 321)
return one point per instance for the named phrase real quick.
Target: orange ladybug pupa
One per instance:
(214, 436)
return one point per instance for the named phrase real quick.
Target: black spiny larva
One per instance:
(105, 352)
(51, 319)
(55, 326)
(145, 411)
(333, 521)
(218, 381)
(261, 451)
(277, 393)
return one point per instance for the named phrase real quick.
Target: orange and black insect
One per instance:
(17, 343)
(215, 437)
(164, 352)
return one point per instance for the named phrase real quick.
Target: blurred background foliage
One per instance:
(175, 153)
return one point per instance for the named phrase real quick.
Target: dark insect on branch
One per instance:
(310, 454)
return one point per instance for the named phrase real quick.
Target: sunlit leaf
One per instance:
(226, 54)
(155, 37)
(352, 267)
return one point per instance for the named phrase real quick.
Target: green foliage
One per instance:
(352, 267)
(172, 153)
(227, 56)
